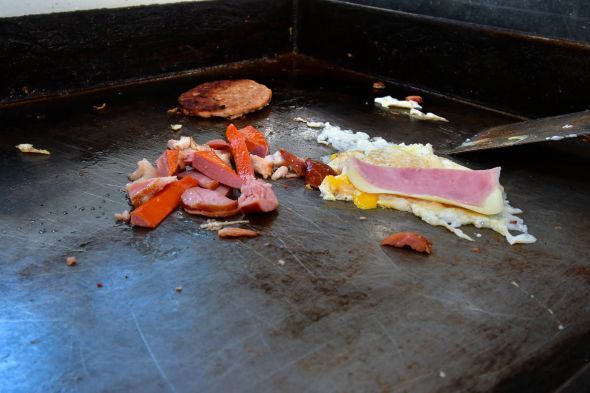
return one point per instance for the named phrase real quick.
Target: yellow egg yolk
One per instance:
(364, 201)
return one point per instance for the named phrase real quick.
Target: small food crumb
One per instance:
(99, 285)
(267, 244)
(478, 234)
(100, 107)
(349, 55)
(172, 111)
(71, 261)
(281, 262)
(442, 374)
(28, 148)
(557, 227)
(417, 99)
(308, 186)
(178, 289)
(475, 249)
(379, 85)
(124, 216)
(175, 127)
(560, 327)
(362, 218)
(236, 232)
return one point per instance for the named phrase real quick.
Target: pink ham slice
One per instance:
(213, 167)
(204, 181)
(477, 190)
(257, 197)
(198, 198)
(143, 190)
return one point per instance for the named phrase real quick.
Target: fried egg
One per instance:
(434, 213)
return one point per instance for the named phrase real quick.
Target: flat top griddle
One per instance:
(342, 314)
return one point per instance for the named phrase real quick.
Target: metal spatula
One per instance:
(531, 131)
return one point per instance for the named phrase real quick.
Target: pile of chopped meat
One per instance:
(215, 179)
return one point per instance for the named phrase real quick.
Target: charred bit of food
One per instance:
(71, 261)
(413, 240)
(236, 232)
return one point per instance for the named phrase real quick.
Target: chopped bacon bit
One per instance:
(124, 216)
(295, 163)
(71, 261)
(414, 240)
(416, 99)
(236, 232)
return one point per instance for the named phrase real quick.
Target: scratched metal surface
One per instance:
(342, 314)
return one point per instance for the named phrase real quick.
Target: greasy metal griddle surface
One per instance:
(342, 314)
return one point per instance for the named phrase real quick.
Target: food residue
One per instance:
(413, 240)
(378, 85)
(100, 107)
(28, 148)
(178, 289)
(175, 127)
(281, 262)
(232, 232)
(123, 216)
(71, 261)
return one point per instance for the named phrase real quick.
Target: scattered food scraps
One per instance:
(236, 232)
(28, 148)
(178, 289)
(213, 225)
(413, 240)
(71, 261)
(175, 127)
(282, 262)
(379, 85)
(100, 107)
(123, 216)
(417, 99)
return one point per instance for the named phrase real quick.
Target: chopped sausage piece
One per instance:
(210, 164)
(167, 163)
(236, 232)
(416, 99)
(204, 181)
(257, 197)
(295, 163)
(212, 214)
(413, 240)
(239, 150)
(255, 141)
(141, 191)
(218, 144)
(316, 171)
(223, 190)
(198, 198)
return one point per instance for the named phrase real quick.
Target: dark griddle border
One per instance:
(45, 55)
(507, 70)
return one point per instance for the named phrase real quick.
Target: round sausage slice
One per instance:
(198, 198)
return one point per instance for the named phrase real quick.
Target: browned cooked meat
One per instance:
(225, 98)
